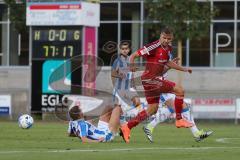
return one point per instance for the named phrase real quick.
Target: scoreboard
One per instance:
(61, 35)
(56, 42)
(55, 52)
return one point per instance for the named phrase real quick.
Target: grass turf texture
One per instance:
(49, 141)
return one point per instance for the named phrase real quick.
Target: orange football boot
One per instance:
(125, 132)
(182, 123)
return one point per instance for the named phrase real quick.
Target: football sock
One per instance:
(188, 116)
(178, 107)
(136, 120)
(162, 115)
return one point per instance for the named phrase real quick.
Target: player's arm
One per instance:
(166, 68)
(173, 65)
(70, 130)
(87, 140)
(114, 73)
(143, 52)
(132, 59)
(117, 74)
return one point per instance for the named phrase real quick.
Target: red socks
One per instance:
(136, 120)
(143, 114)
(178, 107)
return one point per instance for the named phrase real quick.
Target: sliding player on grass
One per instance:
(108, 125)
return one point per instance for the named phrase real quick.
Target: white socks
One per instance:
(186, 114)
(162, 115)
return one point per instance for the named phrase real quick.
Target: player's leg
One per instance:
(153, 89)
(109, 123)
(132, 95)
(133, 109)
(119, 101)
(104, 118)
(199, 135)
(165, 113)
(186, 114)
(126, 128)
(151, 110)
(178, 103)
(106, 114)
(114, 121)
(162, 114)
(130, 103)
(170, 87)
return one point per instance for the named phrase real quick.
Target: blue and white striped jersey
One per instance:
(82, 128)
(121, 64)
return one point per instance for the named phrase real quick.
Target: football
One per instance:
(25, 121)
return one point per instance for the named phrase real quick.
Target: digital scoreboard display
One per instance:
(63, 44)
(56, 42)
(56, 64)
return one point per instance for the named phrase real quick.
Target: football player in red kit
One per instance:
(157, 57)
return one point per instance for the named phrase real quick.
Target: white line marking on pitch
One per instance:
(114, 150)
(226, 140)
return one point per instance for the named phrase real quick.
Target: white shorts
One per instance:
(103, 126)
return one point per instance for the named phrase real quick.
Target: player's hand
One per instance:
(189, 70)
(101, 139)
(133, 68)
(122, 75)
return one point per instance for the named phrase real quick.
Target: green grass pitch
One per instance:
(48, 141)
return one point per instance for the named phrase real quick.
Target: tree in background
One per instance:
(188, 18)
(17, 14)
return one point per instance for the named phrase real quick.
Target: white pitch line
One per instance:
(226, 140)
(115, 150)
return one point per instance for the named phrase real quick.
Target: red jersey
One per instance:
(156, 57)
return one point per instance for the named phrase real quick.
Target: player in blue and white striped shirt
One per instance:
(123, 93)
(108, 126)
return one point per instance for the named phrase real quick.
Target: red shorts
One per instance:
(153, 89)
